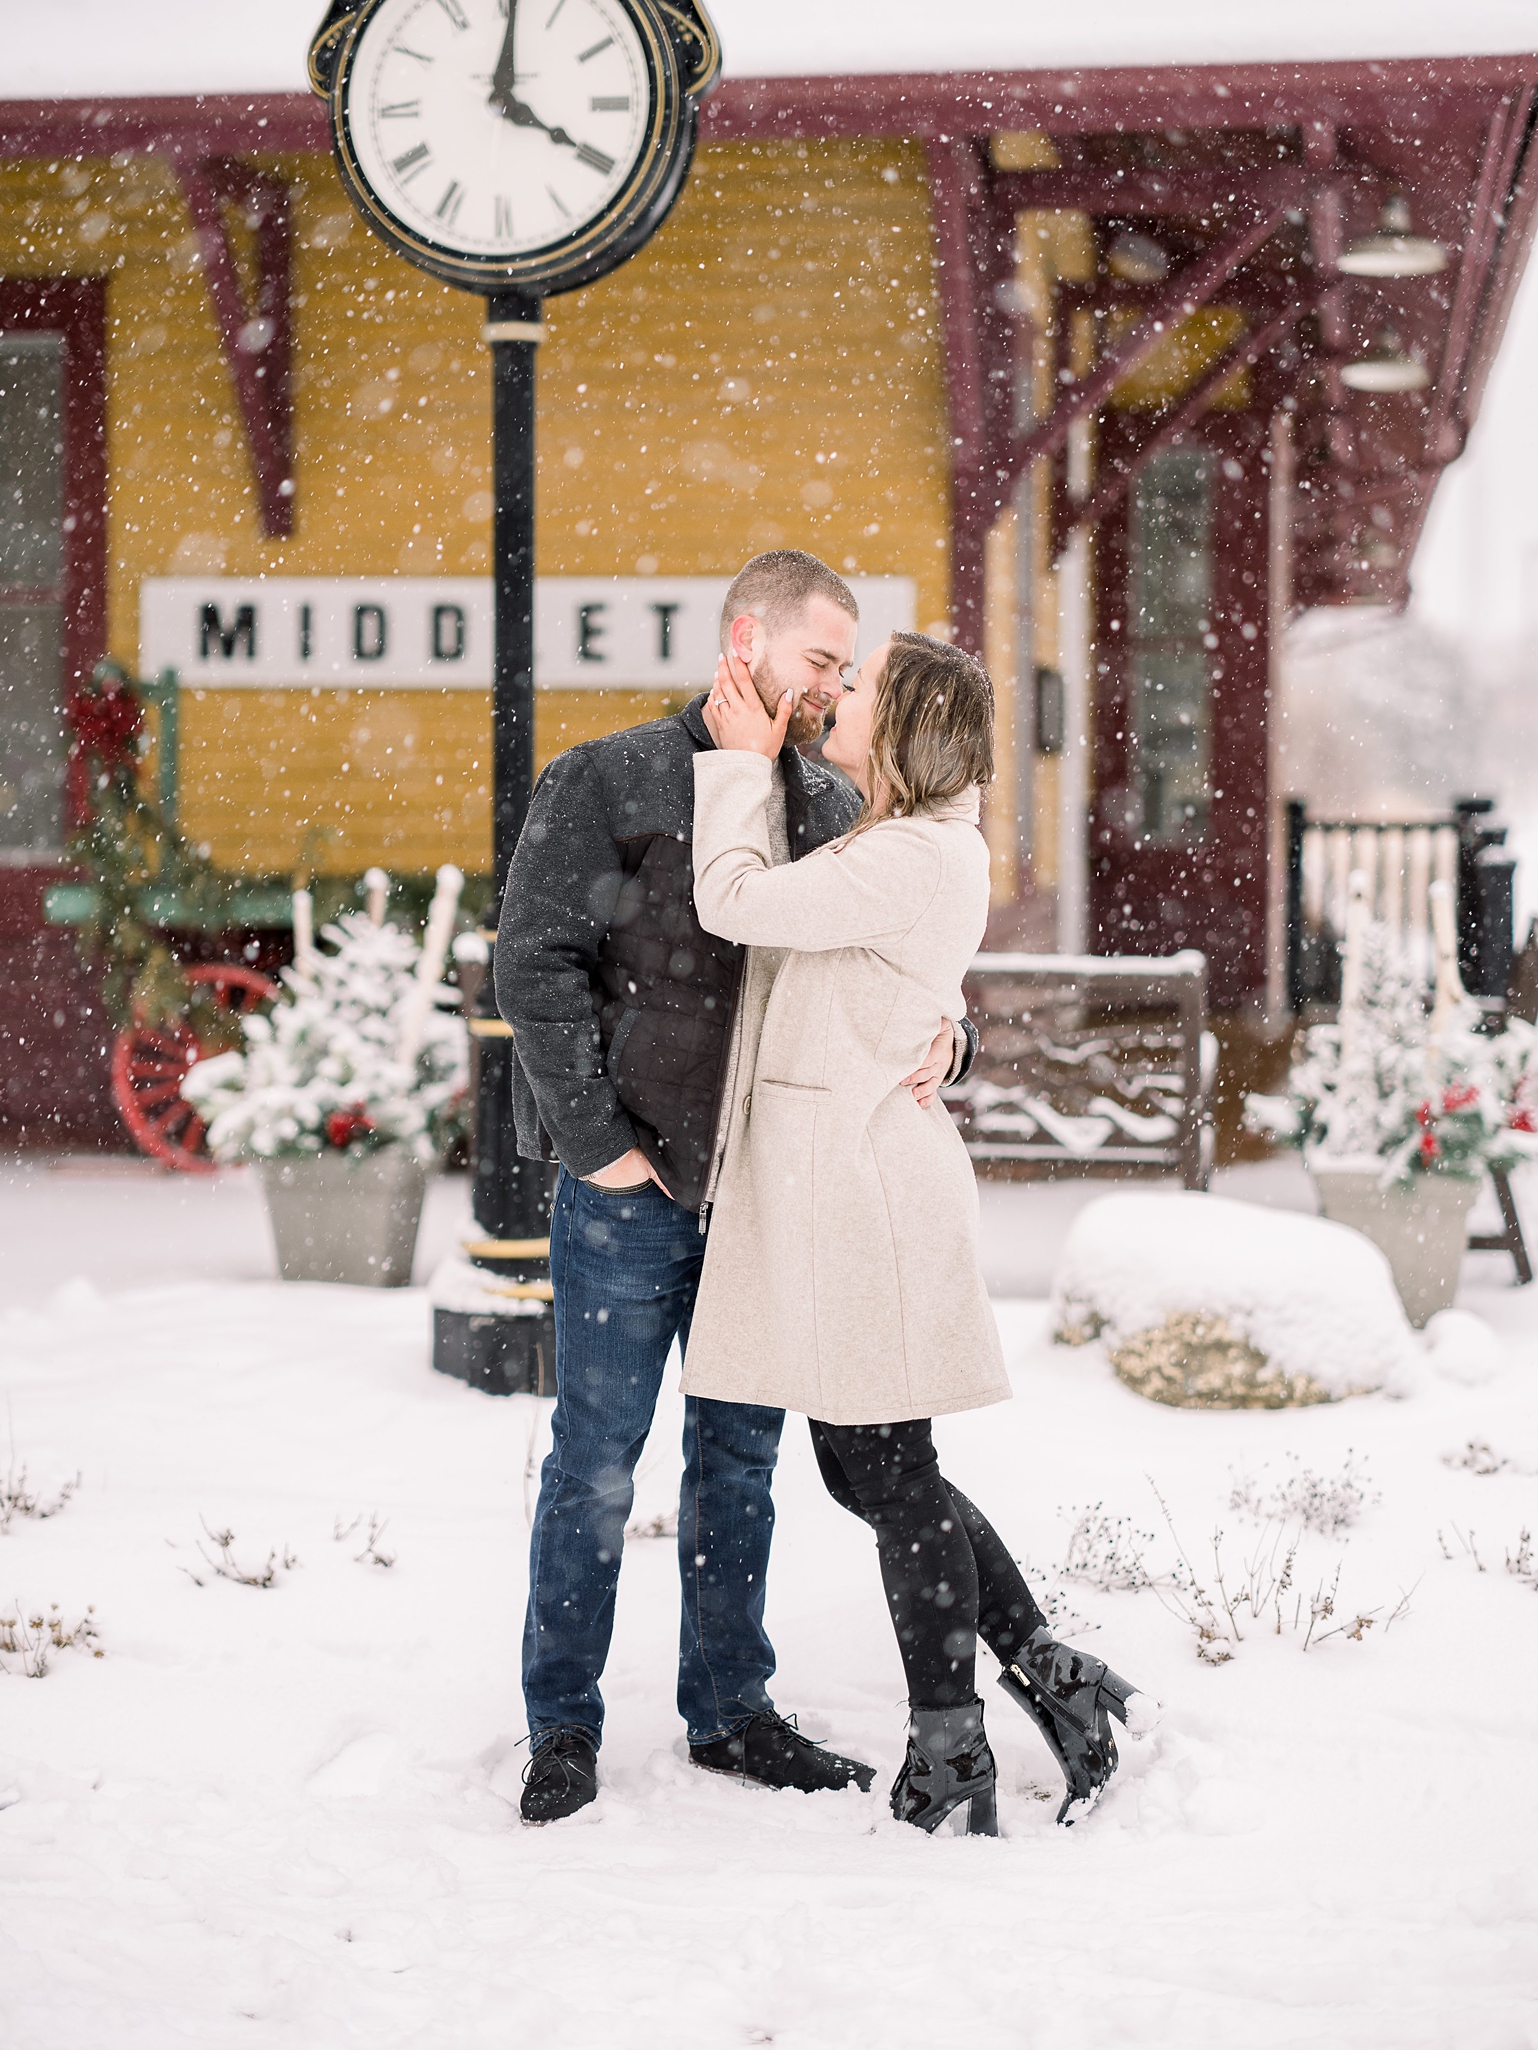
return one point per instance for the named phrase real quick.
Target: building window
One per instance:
(1170, 620)
(32, 739)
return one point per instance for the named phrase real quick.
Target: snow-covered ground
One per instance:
(283, 1816)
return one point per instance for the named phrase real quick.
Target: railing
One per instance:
(1401, 859)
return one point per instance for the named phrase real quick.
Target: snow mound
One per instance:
(1210, 1304)
(1464, 1348)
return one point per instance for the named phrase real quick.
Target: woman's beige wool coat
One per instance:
(841, 1275)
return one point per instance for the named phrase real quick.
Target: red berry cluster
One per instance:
(343, 1126)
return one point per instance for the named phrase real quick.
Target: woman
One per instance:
(841, 1276)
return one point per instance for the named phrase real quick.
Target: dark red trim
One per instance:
(256, 338)
(956, 181)
(1132, 193)
(53, 1073)
(1504, 139)
(1152, 897)
(1193, 287)
(1246, 352)
(1405, 91)
(76, 309)
(1520, 223)
(202, 125)
(1401, 92)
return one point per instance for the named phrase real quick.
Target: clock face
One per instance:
(495, 129)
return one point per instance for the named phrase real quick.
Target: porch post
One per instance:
(1075, 640)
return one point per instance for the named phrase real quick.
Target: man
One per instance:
(629, 1023)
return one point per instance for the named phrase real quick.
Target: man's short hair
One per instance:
(777, 588)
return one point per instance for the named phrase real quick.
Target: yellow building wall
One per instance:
(767, 373)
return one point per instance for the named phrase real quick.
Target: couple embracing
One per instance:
(734, 981)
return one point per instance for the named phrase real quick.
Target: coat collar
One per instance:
(692, 719)
(804, 783)
(967, 805)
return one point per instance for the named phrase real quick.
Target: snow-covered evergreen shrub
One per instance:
(1205, 1303)
(324, 1069)
(1455, 1103)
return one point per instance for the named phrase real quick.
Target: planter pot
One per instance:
(343, 1217)
(1421, 1228)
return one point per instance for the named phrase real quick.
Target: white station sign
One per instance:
(284, 633)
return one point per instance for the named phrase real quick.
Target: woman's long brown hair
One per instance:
(931, 733)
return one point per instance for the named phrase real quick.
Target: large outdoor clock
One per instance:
(515, 145)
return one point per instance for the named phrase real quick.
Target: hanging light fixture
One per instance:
(1393, 250)
(1385, 368)
(1137, 259)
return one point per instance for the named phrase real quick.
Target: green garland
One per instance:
(147, 879)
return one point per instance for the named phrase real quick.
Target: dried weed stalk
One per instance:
(18, 1499)
(531, 1464)
(1477, 1456)
(1465, 1544)
(372, 1554)
(1241, 1590)
(34, 1639)
(223, 1564)
(1256, 1589)
(1326, 1503)
(663, 1525)
(1520, 1563)
(1107, 1553)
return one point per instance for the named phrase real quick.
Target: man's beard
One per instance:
(806, 721)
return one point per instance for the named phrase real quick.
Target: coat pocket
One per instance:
(782, 1170)
(622, 1031)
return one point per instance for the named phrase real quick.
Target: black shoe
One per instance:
(1071, 1697)
(948, 1764)
(773, 1753)
(560, 1777)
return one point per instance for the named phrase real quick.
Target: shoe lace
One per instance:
(557, 1749)
(788, 1728)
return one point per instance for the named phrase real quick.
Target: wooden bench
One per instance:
(1090, 1065)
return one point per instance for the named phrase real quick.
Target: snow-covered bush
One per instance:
(1208, 1304)
(1391, 1090)
(325, 1068)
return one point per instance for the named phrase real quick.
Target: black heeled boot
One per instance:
(1071, 1697)
(948, 1764)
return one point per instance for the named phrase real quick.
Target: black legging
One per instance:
(948, 1574)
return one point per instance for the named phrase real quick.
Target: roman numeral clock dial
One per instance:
(523, 144)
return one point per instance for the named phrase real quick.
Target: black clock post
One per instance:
(457, 171)
(506, 1342)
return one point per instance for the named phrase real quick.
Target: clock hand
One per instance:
(504, 78)
(518, 112)
(522, 115)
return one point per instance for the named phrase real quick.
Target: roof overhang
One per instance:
(1455, 135)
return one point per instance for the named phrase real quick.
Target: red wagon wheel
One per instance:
(149, 1063)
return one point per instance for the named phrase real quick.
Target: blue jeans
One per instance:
(625, 1270)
